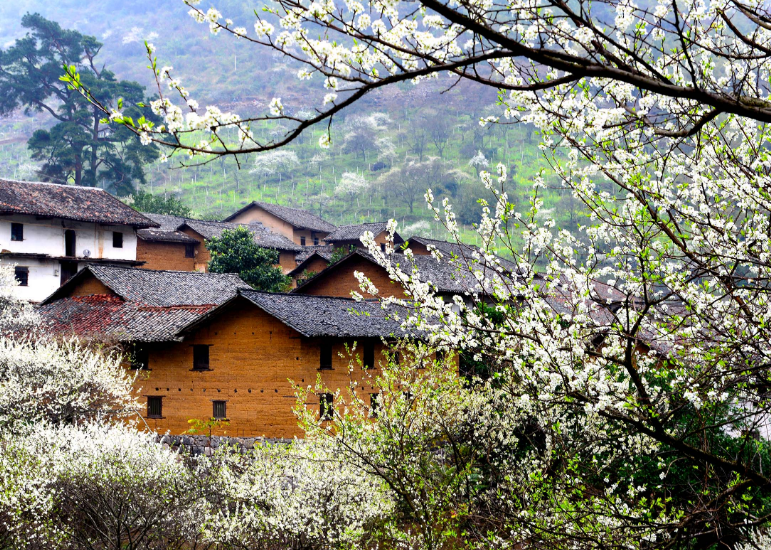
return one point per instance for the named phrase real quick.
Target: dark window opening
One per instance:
(140, 359)
(382, 247)
(408, 396)
(302, 241)
(155, 407)
(22, 275)
(325, 356)
(374, 404)
(441, 356)
(219, 409)
(369, 355)
(117, 239)
(189, 251)
(315, 241)
(68, 269)
(326, 409)
(17, 231)
(396, 358)
(200, 357)
(69, 242)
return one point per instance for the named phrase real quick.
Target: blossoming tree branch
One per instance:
(618, 378)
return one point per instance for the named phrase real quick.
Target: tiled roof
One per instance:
(71, 202)
(448, 276)
(109, 317)
(262, 235)
(319, 316)
(304, 264)
(160, 288)
(460, 250)
(296, 217)
(158, 235)
(355, 232)
(325, 251)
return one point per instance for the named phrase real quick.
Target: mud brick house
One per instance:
(263, 236)
(236, 361)
(450, 276)
(346, 236)
(210, 347)
(166, 247)
(180, 243)
(300, 226)
(312, 260)
(51, 231)
(134, 306)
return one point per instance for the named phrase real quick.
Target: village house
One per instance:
(208, 346)
(311, 262)
(349, 236)
(50, 231)
(180, 243)
(300, 226)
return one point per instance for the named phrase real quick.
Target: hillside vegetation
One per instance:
(385, 153)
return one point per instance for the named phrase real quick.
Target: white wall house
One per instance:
(50, 231)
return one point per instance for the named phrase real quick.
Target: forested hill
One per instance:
(385, 152)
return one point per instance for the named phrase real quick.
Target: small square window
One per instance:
(302, 241)
(117, 239)
(219, 410)
(369, 355)
(155, 407)
(140, 359)
(189, 251)
(382, 247)
(22, 275)
(325, 356)
(374, 404)
(17, 231)
(315, 241)
(200, 357)
(326, 406)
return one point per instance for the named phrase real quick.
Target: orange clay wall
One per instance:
(170, 256)
(90, 286)
(252, 357)
(340, 281)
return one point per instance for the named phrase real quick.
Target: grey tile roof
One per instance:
(109, 317)
(449, 276)
(460, 250)
(296, 217)
(304, 264)
(86, 204)
(160, 288)
(325, 251)
(319, 316)
(355, 232)
(158, 235)
(262, 235)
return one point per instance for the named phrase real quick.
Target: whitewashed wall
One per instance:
(47, 237)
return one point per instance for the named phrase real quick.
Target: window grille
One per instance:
(200, 357)
(154, 407)
(219, 409)
(17, 231)
(326, 409)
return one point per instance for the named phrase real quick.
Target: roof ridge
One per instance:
(84, 187)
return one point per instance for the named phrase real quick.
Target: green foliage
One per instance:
(236, 252)
(340, 253)
(80, 148)
(157, 204)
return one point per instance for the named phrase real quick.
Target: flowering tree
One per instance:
(625, 370)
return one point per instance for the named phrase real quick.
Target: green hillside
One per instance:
(408, 132)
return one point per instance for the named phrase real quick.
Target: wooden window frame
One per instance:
(21, 269)
(302, 240)
(326, 406)
(196, 363)
(189, 250)
(323, 348)
(17, 231)
(215, 404)
(368, 355)
(159, 399)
